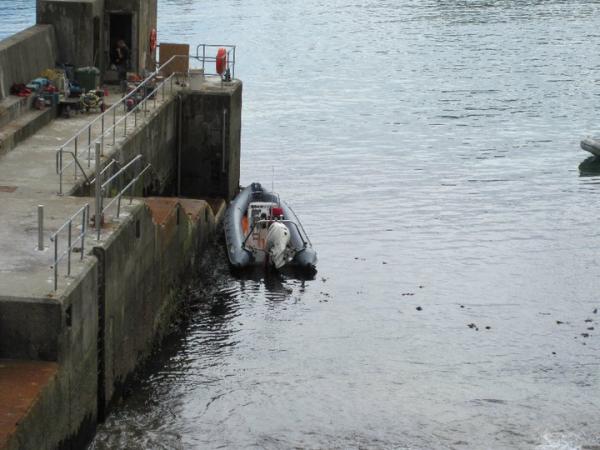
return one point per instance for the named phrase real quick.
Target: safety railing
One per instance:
(84, 212)
(107, 167)
(61, 168)
(129, 185)
(103, 188)
(137, 104)
(202, 55)
(108, 122)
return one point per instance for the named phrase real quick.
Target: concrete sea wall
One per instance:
(141, 269)
(64, 331)
(210, 155)
(25, 55)
(107, 323)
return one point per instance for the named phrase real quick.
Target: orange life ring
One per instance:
(221, 60)
(153, 40)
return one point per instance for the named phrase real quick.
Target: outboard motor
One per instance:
(278, 238)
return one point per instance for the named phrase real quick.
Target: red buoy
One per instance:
(153, 40)
(221, 60)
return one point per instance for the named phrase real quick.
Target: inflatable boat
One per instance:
(261, 229)
(592, 145)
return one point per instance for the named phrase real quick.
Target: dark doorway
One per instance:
(121, 27)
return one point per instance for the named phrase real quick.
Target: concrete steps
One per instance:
(13, 107)
(15, 132)
(18, 122)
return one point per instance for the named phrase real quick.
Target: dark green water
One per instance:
(431, 149)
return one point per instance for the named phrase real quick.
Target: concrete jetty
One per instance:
(135, 193)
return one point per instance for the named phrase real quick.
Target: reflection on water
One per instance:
(431, 149)
(590, 167)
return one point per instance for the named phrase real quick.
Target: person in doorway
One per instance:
(121, 61)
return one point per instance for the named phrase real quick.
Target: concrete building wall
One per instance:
(78, 26)
(211, 138)
(25, 55)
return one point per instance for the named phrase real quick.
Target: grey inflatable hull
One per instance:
(239, 255)
(592, 145)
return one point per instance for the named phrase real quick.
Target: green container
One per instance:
(88, 78)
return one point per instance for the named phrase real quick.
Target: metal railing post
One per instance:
(69, 248)
(114, 126)
(71, 241)
(40, 227)
(55, 262)
(84, 219)
(233, 68)
(60, 176)
(98, 186)
(75, 153)
(89, 145)
(102, 136)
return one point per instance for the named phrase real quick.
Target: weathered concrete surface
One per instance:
(212, 121)
(156, 140)
(25, 272)
(24, 126)
(143, 264)
(21, 386)
(37, 323)
(31, 166)
(74, 23)
(13, 107)
(25, 55)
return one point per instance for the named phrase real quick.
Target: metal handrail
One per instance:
(280, 221)
(135, 110)
(60, 169)
(113, 109)
(108, 166)
(122, 193)
(230, 56)
(120, 171)
(85, 214)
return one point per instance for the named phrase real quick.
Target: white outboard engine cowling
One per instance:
(278, 238)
